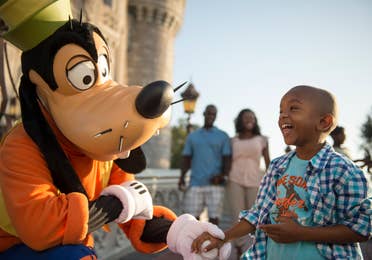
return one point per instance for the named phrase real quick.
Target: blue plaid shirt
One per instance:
(338, 195)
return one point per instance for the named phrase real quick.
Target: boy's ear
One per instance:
(325, 123)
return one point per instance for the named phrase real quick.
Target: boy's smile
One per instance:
(286, 129)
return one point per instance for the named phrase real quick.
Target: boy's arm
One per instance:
(338, 234)
(354, 203)
(241, 228)
(289, 231)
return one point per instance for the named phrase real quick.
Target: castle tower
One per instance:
(110, 16)
(153, 25)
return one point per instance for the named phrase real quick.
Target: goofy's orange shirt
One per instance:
(34, 212)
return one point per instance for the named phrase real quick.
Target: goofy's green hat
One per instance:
(26, 23)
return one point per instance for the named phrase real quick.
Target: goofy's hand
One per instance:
(185, 229)
(135, 198)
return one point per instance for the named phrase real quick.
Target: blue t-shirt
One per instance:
(292, 200)
(206, 147)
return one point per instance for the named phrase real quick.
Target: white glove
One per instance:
(135, 198)
(185, 229)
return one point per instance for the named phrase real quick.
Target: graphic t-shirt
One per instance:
(292, 201)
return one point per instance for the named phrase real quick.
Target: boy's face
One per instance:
(298, 119)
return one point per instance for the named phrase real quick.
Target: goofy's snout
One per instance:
(154, 99)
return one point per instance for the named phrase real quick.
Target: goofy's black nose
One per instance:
(154, 99)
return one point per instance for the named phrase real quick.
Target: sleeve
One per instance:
(156, 230)
(134, 230)
(354, 207)
(41, 216)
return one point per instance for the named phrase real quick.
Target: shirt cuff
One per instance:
(77, 218)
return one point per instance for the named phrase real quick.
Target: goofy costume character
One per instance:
(67, 169)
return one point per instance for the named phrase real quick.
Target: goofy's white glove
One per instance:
(135, 198)
(185, 229)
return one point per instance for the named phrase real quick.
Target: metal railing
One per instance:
(163, 186)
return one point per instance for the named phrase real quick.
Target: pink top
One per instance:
(246, 157)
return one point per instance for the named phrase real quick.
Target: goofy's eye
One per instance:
(82, 76)
(103, 67)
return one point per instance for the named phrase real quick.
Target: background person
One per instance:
(207, 152)
(338, 136)
(248, 147)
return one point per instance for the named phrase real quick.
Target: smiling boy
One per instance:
(312, 203)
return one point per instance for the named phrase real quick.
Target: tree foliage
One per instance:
(178, 140)
(179, 134)
(366, 132)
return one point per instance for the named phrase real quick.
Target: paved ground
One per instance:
(166, 255)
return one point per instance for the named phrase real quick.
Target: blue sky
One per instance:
(247, 54)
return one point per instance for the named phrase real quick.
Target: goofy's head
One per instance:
(67, 87)
(70, 75)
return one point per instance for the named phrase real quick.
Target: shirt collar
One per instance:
(211, 129)
(284, 160)
(318, 161)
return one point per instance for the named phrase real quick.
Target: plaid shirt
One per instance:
(338, 195)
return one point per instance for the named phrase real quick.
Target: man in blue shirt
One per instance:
(207, 152)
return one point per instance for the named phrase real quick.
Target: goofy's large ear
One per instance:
(36, 126)
(135, 163)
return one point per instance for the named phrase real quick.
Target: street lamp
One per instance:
(190, 95)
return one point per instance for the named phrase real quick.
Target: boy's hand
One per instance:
(196, 246)
(185, 229)
(286, 231)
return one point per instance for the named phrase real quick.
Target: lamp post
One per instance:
(190, 95)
